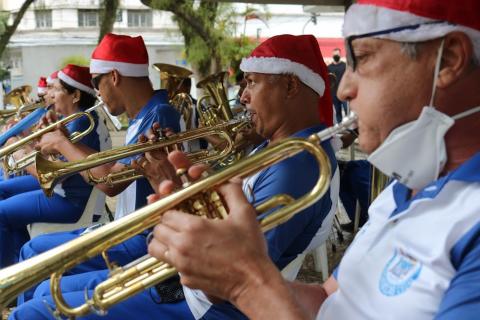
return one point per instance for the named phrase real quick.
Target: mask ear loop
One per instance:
(437, 71)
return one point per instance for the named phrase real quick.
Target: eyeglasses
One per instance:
(96, 81)
(350, 54)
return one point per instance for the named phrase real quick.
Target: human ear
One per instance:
(76, 96)
(456, 58)
(293, 85)
(116, 78)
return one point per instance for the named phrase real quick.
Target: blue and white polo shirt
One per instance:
(74, 188)
(156, 110)
(417, 257)
(294, 176)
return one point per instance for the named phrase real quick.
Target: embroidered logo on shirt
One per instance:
(399, 273)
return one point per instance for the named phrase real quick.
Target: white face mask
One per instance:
(415, 152)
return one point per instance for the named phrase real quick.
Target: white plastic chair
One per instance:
(95, 205)
(320, 260)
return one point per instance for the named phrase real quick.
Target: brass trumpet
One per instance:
(49, 172)
(12, 166)
(197, 197)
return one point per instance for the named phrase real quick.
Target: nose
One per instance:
(347, 89)
(245, 98)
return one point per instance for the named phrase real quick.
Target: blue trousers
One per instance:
(122, 254)
(355, 185)
(21, 209)
(339, 105)
(144, 305)
(16, 185)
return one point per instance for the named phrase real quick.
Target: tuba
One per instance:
(218, 109)
(18, 97)
(172, 79)
(198, 198)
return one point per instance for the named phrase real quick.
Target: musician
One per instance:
(42, 87)
(119, 67)
(292, 99)
(22, 202)
(417, 256)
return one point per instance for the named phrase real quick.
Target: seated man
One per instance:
(121, 79)
(292, 100)
(418, 255)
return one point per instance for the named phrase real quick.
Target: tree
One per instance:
(74, 59)
(108, 15)
(9, 30)
(208, 28)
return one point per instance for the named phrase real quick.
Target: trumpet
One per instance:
(197, 197)
(12, 166)
(49, 172)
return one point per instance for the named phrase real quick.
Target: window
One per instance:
(139, 18)
(87, 18)
(43, 18)
(119, 17)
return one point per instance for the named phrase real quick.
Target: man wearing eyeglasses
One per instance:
(418, 255)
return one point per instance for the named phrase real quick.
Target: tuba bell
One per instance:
(172, 79)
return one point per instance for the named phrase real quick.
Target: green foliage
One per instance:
(232, 50)
(210, 30)
(77, 59)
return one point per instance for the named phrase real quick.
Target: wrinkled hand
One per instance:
(224, 258)
(154, 165)
(51, 142)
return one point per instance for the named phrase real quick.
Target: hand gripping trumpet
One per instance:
(12, 166)
(198, 198)
(51, 172)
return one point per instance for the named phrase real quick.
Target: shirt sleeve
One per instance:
(295, 177)
(165, 115)
(462, 298)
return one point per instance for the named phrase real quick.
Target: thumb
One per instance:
(240, 210)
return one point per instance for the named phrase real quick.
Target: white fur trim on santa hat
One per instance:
(362, 18)
(274, 65)
(124, 68)
(41, 90)
(74, 83)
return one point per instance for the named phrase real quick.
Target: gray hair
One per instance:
(411, 50)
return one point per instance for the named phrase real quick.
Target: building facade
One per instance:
(54, 31)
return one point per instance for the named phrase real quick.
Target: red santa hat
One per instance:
(77, 77)
(298, 55)
(426, 19)
(52, 77)
(42, 85)
(128, 55)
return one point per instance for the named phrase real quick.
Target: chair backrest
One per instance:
(95, 205)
